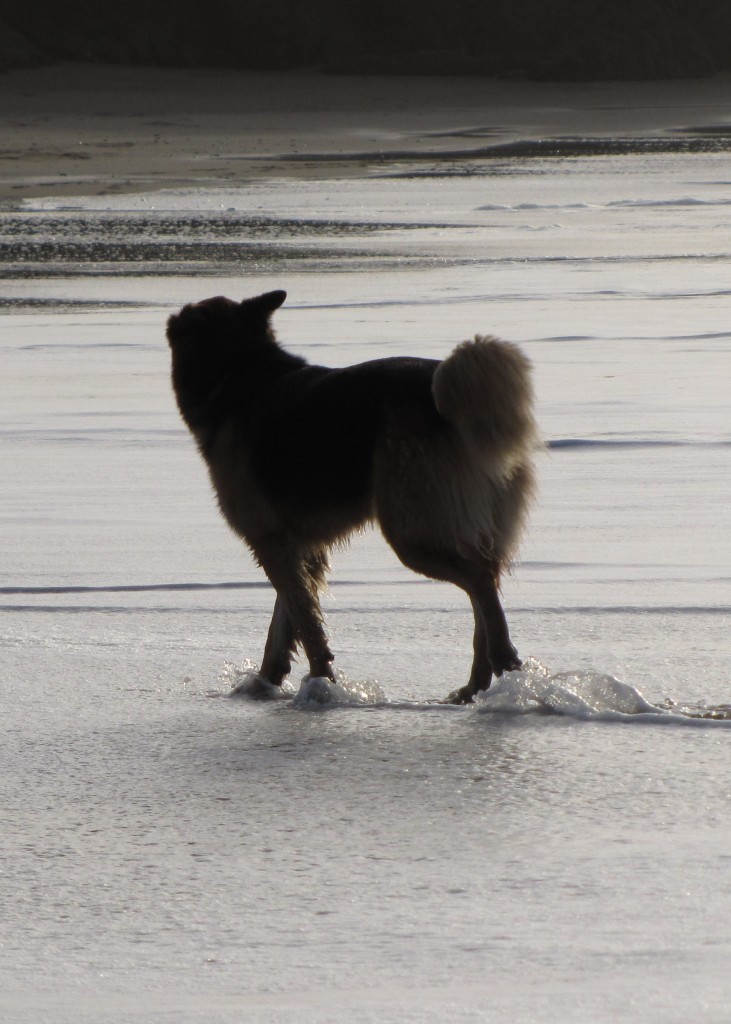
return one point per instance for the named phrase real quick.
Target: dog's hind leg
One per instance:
(493, 652)
(297, 615)
(481, 672)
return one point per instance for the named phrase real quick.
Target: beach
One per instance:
(557, 852)
(71, 129)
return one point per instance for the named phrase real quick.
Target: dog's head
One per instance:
(212, 328)
(218, 344)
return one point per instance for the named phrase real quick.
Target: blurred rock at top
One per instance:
(562, 40)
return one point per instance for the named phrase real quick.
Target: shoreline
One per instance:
(82, 129)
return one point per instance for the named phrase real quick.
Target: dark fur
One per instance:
(438, 454)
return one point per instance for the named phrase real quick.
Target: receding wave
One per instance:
(574, 443)
(682, 202)
(132, 588)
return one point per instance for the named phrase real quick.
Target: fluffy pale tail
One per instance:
(484, 388)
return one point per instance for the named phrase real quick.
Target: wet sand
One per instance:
(77, 129)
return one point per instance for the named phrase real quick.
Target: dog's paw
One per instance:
(256, 687)
(317, 690)
(462, 696)
(507, 660)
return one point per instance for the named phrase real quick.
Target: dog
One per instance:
(438, 454)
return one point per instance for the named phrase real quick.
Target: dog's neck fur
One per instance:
(205, 392)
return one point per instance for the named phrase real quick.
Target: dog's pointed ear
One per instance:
(267, 302)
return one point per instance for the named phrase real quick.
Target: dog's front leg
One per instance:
(280, 645)
(297, 615)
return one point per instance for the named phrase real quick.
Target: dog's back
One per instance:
(315, 443)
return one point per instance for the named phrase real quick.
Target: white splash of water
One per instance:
(533, 689)
(316, 691)
(584, 694)
(245, 681)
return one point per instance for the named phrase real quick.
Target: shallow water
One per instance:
(558, 852)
